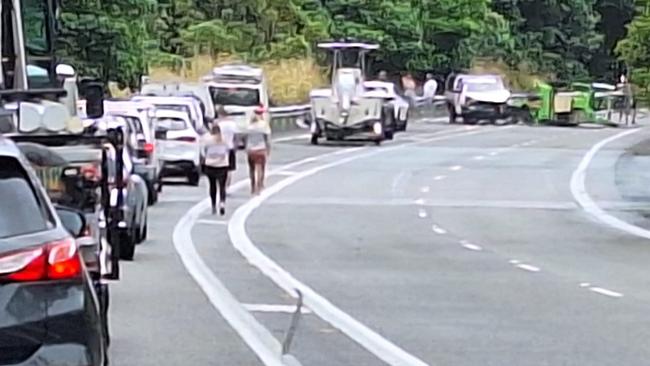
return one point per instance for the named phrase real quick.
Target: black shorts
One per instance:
(232, 160)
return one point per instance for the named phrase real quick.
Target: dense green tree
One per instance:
(634, 49)
(106, 39)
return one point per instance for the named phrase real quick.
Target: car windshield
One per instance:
(233, 96)
(170, 124)
(483, 86)
(21, 212)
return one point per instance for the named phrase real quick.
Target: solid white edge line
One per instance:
(259, 339)
(369, 339)
(471, 246)
(439, 177)
(582, 197)
(274, 308)
(254, 334)
(606, 292)
(455, 168)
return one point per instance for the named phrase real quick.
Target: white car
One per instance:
(188, 104)
(178, 145)
(397, 105)
(477, 97)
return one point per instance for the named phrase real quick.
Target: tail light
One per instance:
(186, 139)
(91, 172)
(148, 148)
(53, 261)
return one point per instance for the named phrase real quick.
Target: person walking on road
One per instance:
(258, 146)
(228, 128)
(216, 166)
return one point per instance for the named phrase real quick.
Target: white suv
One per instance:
(178, 145)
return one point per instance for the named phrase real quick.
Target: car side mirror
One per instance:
(73, 221)
(65, 71)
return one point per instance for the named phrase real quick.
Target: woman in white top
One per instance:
(258, 146)
(216, 165)
(228, 130)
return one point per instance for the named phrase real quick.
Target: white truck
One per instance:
(240, 89)
(477, 97)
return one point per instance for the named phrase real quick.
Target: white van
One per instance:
(240, 89)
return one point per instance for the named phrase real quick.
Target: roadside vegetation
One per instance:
(566, 40)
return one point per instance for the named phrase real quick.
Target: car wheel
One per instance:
(145, 230)
(314, 139)
(452, 114)
(389, 135)
(152, 194)
(127, 245)
(194, 178)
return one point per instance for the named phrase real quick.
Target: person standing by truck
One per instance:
(258, 147)
(216, 166)
(228, 129)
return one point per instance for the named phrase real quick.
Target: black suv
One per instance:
(49, 311)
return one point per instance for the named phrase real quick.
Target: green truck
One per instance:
(574, 104)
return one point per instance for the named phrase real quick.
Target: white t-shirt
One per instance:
(430, 88)
(228, 130)
(216, 153)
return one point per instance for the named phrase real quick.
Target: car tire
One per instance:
(194, 178)
(127, 245)
(145, 230)
(314, 139)
(389, 135)
(152, 194)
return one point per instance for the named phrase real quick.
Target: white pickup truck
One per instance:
(477, 97)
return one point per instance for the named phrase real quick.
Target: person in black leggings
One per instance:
(216, 167)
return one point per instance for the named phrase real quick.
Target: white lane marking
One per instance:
(367, 338)
(528, 267)
(255, 335)
(439, 177)
(212, 222)
(456, 168)
(419, 201)
(606, 292)
(292, 138)
(424, 189)
(422, 213)
(585, 284)
(494, 153)
(467, 245)
(580, 194)
(514, 261)
(285, 173)
(479, 157)
(274, 308)
(438, 230)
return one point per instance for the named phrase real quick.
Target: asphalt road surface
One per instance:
(451, 245)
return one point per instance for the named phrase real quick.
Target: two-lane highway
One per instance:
(452, 245)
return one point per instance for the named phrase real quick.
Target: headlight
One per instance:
(376, 128)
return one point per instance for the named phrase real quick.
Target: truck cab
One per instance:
(240, 89)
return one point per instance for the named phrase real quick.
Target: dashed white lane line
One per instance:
(425, 189)
(585, 284)
(456, 168)
(419, 201)
(439, 177)
(470, 246)
(479, 157)
(528, 267)
(422, 213)
(606, 292)
(275, 308)
(514, 261)
(580, 194)
(438, 230)
(494, 153)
